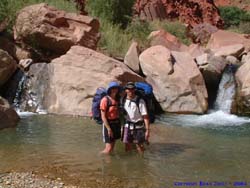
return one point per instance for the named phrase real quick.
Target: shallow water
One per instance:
(184, 150)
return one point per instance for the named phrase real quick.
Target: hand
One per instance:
(110, 133)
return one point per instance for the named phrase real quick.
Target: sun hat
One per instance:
(130, 85)
(113, 85)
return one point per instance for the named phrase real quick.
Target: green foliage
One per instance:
(115, 11)
(232, 16)
(114, 41)
(244, 27)
(3, 9)
(175, 28)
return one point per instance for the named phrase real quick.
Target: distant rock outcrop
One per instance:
(56, 31)
(191, 12)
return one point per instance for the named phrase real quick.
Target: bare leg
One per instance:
(108, 148)
(140, 148)
(128, 147)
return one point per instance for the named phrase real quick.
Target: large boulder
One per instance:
(74, 77)
(7, 66)
(56, 31)
(235, 50)
(195, 50)
(191, 12)
(131, 58)
(243, 88)
(8, 116)
(161, 37)
(223, 38)
(178, 84)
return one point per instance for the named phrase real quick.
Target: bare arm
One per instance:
(147, 126)
(106, 124)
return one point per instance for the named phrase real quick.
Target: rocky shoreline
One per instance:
(30, 180)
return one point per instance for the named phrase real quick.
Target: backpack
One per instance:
(96, 112)
(144, 91)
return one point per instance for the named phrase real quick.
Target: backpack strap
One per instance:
(136, 101)
(109, 103)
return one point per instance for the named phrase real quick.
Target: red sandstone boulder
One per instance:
(74, 77)
(166, 39)
(7, 66)
(223, 38)
(178, 84)
(53, 30)
(243, 88)
(191, 12)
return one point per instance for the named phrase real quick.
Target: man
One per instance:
(136, 128)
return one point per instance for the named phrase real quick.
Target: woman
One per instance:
(110, 116)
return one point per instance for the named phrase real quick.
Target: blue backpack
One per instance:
(96, 112)
(145, 91)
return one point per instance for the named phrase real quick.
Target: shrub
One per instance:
(244, 27)
(3, 9)
(175, 28)
(114, 41)
(232, 16)
(115, 11)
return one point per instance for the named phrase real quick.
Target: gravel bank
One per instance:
(29, 180)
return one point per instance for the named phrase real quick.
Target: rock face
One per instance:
(243, 89)
(8, 116)
(54, 30)
(191, 12)
(177, 82)
(74, 77)
(7, 66)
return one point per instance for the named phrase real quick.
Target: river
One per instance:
(184, 150)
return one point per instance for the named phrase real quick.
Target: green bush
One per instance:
(175, 28)
(232, 16)
(3, 9)
(244, 27)
(115, 11)
(114, 41)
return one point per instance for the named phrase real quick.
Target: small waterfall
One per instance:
(226, 91)
(26, 98)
